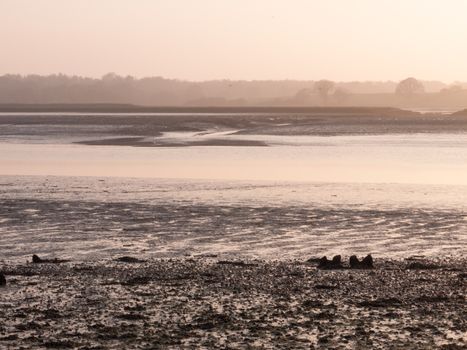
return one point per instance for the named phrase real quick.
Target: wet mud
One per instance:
(202, 302)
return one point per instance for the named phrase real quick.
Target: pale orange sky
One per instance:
(237, 39)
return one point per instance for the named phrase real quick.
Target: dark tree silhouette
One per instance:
(409, 87)
(324, 88)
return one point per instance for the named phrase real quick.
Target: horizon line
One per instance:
(126, 76)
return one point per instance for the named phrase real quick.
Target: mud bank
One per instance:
(199, 302)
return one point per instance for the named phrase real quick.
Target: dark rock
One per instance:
(323, 262)
(58, 344)
(139, 280)
(312, 303)
(51, 314)
(354, 262)
(129, 259)
(335, 263)
(2, 280)
(366, 263)
(432, 299)
(325, 286)
(36, 259)
(419, 265)
(380, 302)
(234, 263)
(131, 316)
(337, 260)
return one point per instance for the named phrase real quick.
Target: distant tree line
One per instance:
(158, 91)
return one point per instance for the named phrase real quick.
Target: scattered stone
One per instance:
(234, 263)
(366, 263)
(335, 263)
(312, 303)
(354, 262)
(2, 280)
(140, 280)
(432, 299)
(206, 255)
(323, 262)
(325, 286)
(131, 317)
(37, 260)
(380, 302)
(174, 304)
(129, 259)
(337, 260)
(419, 265)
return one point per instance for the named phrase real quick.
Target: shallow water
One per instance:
(390, 195)
(92, 218)
(411, 158)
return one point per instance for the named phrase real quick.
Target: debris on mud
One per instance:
(203, 303)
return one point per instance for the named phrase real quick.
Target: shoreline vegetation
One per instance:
(130, 108)
(201, 301)
(159, 91)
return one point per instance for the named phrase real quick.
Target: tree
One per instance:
(341, 95)
(409, 87)
(323, 88)
(303, 96)
(452, 90)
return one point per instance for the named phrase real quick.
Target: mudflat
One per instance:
(202, 302)
(144, 126)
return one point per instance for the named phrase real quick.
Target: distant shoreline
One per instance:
(128, 108)
(118, 125)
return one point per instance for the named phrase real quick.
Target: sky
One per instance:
(342, 40)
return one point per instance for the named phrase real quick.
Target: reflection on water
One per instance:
(390, 195)
(422, 158)
(86, 217)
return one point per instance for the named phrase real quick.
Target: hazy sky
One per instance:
(237, 39)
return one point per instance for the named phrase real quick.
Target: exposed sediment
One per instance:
(203, 302)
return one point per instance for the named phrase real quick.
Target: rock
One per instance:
(383, 302)
(36, 259)
(354, 262)
(366, 263)
(335, 263)
(314, 260)
(323, 262)
(336, 260)
(325, 286)
(129, 259)
(419, 265)
(2, 280)
(235, 263)
(139, 280)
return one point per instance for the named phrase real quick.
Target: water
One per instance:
(390, 195)
(413, 158)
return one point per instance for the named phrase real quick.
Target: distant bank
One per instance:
(129, 108)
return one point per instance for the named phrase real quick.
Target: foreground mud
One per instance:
(205, 303)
